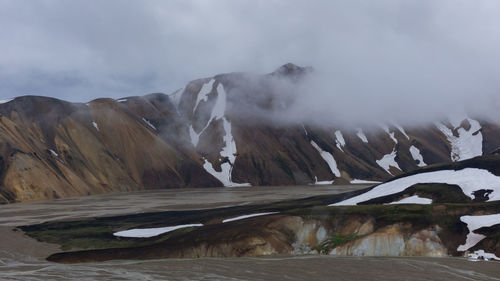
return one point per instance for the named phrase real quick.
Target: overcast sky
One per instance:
(369, 50)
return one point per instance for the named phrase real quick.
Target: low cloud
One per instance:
(377, 60)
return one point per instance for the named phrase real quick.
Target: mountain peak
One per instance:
(291, 69)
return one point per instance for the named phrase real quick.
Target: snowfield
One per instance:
(469, 180)
(415, 199)
(468, 144)
(150, 232)
(95, 125)
(474, 223)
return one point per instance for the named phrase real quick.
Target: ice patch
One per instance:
(474, 223)
(248, 216)
(328, 157)
(469, 180)
(415, 199)
(466, 145)
(150, 232)
(95, 125)
(387, 161)
(417, 156)
(149, 123)
(339, 140)
(203, 94)
(361, 135)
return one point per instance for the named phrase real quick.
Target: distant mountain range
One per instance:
(216, 131)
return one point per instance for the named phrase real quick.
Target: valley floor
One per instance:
(23, 258)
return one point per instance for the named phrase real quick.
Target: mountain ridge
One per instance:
(203, 136)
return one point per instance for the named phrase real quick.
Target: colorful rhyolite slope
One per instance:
(214, 132)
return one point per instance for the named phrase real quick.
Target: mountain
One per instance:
(216, 131)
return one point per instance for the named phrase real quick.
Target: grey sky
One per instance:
(380, 52)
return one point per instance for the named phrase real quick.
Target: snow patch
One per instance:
(5, 101)
(150, 232)
(417, 156)
(95, 125)
(402, 131)
(387, 161)
(122, 100)
(482, 255)
(339, 140)
(195, 137)
(54, 153)
(361, 135)
(203, 94)
(415, 199)
(468, 144)
(328, 157)
(474, 223)
(149, 123)
(469, 180)
(391, 134)
(316, 182)
(357, 181)
(248, 216)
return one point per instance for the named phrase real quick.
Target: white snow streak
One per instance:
(417, 156)
(195, 137)
(53, 153)
(474, 223)
(469, 180)
(361, 135)
(229, 148)
(387, 161)
(95, 125)
(391, 135)
(203, 94)
(149, 123)
(150, 232)
(468, 144)
(415, 199)
(356, 181)
(339, 140)
(402, 131)
(122, 100)
(328, 157)
(248, 216)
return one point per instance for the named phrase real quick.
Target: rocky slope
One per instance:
(201, 136)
